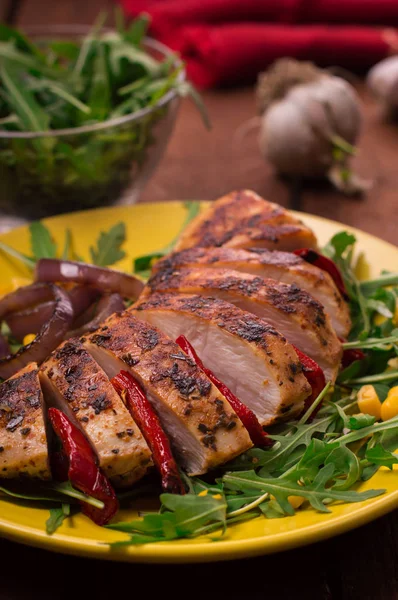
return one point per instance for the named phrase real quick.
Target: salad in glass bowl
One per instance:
(84, 116)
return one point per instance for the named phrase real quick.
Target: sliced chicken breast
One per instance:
(23, 439)
(74, 383)
(289, 309)
(257, 363)
(281, 266)
(242, 219)
(202, 427)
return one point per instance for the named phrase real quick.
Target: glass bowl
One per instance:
(51, 172)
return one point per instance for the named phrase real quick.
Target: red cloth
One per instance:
(230, 41)
(174, 13)
(237, 53)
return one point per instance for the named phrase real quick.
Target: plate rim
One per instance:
(200, 552)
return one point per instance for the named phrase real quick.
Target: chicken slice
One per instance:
(288, 308)
(243, 219)
(23, 439)
(248, 355)
(203, 429)
(74, 383)
(281, 266)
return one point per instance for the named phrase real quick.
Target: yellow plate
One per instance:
(151, 226)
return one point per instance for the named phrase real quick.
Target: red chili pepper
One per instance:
(83, 472)
(148, 422)
(326, 264)
(257, 434)
(315, 377)
(350, 355)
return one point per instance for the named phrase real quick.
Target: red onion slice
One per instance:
(49, 337)
(4, 347)
(107, 280)
(107, 306)
(24, 297)
(31, 320)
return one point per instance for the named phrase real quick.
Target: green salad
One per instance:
(315, 461)
(52, 83)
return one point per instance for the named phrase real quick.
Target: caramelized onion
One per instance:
(107, 280)
(107, 306)
(32, 319)
(51, 333)
(4, 347)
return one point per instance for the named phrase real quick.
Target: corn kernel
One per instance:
(378, 319)
(368, 401)
(393, 363)
(389, 408)
(296, 501)
(203, 493)
(217, 497)
(28, 339)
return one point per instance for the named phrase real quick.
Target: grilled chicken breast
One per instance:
(289, 309)
(23, 439)
(202, 427)
(248, 355)
(243, 219)
(74, 383)
(281, 266)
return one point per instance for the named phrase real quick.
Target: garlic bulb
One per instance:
(382, 80)
(310, 119)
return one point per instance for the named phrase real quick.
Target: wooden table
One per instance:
(198, 164)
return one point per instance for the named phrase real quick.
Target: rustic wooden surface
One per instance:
(362, 564)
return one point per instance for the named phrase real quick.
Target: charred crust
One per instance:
(203, 428)
(84, 419)
(130, 360)
(71, 348)
(20, 397)
(101, 403)
(130, 432)
(99, 339)
(148, 339)
(25, 431)
(209, 441)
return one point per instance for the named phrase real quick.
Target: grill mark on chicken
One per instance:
(280, 266)
(22, 419)
(177, 388)
(243, 218)
(287, 307)
(287, 298)
(198, 317)
(95, 406)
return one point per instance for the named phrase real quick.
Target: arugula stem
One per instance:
(373, 378)
(68, 491)
(362, 307)
(316, 402)
(247, 507)
(29, 262)
(373, 284)
(371, 342)
(359, 434)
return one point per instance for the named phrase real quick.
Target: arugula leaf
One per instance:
(339, 243)
(378, 455)
(56, 518)
(41, 241)
(108, 250)
(30, 113)
(183, 516)
(316, 492)
(358, 421)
